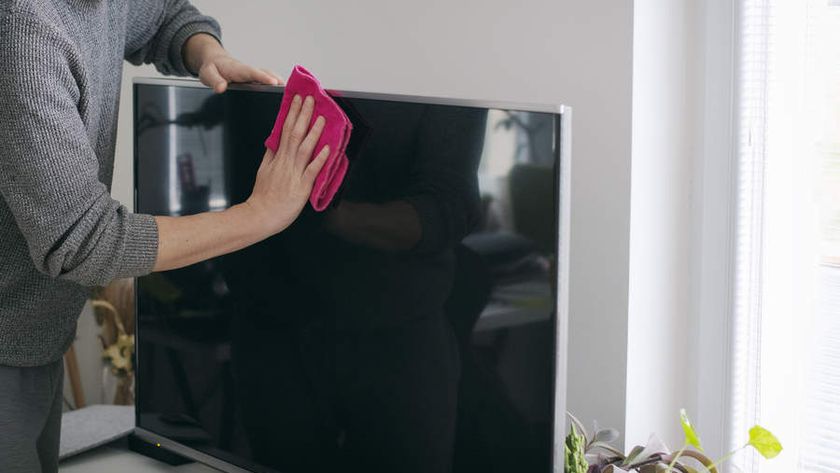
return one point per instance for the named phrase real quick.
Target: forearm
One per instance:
(183, 241)
(392, 226)
(200, 48)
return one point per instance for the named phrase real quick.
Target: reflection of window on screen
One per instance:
(202, 175)
(786, 362)
(513, 139)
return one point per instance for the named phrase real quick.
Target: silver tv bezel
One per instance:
(562, 146)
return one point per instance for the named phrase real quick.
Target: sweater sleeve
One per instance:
(156, 31)
(49, 172)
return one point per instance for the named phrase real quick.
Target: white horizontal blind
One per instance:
(786, 333)
(755, 21)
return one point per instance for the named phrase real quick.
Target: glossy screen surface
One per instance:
(408, 328)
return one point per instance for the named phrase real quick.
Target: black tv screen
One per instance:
(410, 327)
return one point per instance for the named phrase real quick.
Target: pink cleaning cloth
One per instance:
(336, 133)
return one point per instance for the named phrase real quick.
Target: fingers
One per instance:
(315, 166)
(223, 69)
(301, 124)
(252, 74)
(291, 118)
(268, 156)
(235, 71)
(211, 77)
(278, 79)
(308, 145)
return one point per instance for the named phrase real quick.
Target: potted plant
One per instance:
(594, 454)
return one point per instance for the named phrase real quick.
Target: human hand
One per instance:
(216, 68)
(285, 178)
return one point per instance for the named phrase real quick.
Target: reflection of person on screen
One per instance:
(356, 367)
(412, 198)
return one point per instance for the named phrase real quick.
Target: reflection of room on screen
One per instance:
(410, 327)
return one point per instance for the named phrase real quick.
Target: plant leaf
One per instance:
(633, 455)
(764, 442)
(577, 423)
(575, 455)
(691, 437)
(639, 454)
(607, 447)
(605, 435)
(614, 469)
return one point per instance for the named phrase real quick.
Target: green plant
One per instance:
(654, 457)
(576, 452)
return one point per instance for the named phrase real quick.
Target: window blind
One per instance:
(755, 27)
(785, 366)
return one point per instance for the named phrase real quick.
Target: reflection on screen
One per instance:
(408, 328)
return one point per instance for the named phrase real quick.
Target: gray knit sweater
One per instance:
(61, 233)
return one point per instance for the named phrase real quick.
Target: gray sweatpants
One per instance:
(30, 418)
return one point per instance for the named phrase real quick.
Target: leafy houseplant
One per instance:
(595, 454)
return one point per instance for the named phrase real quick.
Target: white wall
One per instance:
(575, 52)
(666, 62)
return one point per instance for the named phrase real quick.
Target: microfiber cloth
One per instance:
(336, 134)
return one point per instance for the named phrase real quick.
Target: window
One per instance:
(786, 331)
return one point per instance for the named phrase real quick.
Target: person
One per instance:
(61, 233)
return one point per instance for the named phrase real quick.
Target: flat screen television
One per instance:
(416, 325)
